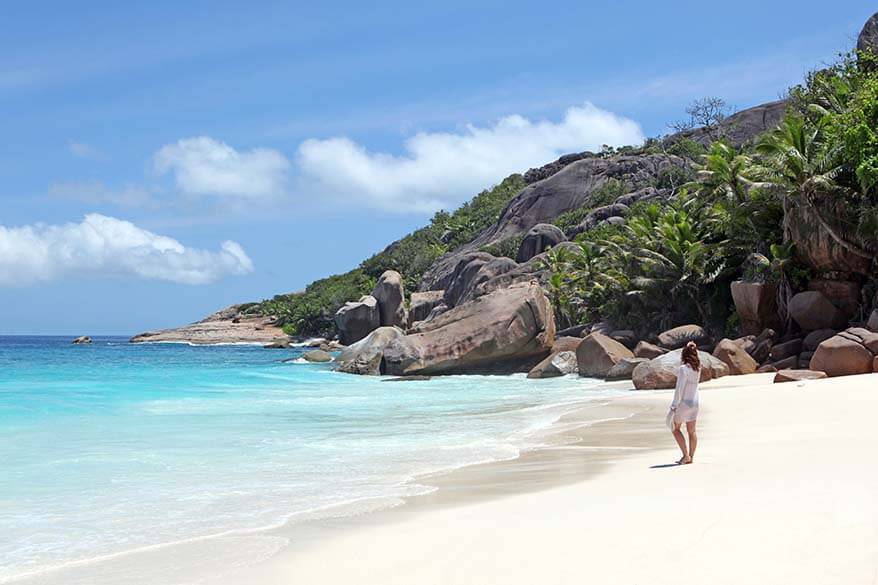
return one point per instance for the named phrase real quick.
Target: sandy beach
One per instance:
(782, 491)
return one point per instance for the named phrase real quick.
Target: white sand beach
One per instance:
(783, 491)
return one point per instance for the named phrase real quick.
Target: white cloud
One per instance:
(204, 166)
(97, 193)
(106, 246)
(441, 170)
(83, 150)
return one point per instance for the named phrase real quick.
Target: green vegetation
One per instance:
(311, 312)
(672, 262)
(603, 195)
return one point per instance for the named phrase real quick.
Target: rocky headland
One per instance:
(515, 295)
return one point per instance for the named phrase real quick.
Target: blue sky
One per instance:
(166, 159)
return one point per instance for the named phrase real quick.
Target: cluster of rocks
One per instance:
(385, 307)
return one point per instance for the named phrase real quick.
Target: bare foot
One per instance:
(684, 461)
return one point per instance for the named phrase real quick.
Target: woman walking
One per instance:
(684, 408)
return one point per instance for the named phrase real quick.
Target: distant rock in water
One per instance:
(226, 326)
(83, 339)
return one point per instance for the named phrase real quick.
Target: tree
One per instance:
(707, 113)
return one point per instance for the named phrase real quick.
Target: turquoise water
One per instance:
(112, 447)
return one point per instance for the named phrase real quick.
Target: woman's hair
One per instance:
(690, 356)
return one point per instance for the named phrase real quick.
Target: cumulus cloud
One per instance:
(106, 246)
(205, 166)
(441, 170)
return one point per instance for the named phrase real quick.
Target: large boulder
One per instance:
(356, 320)
(566, 343)
(841, 356)
(488, 273)
(735, 357)
(559, 363)
(661, 372)
(816, 248)
(539, 238)
(598, 215)
(781, 351)
(679, 336)
(867, 42)
(366, 357)
(317, 356)
(390, 295)
(598, 353)
(508, 330)
(756, 304)
(625, 368)
(811, 310)
(644, 349)
(82, 340)
(626, 337)
(422, 303)
(815, 338)
(844, 294)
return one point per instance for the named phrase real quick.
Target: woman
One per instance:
(685, 404)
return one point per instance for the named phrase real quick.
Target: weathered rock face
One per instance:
(741, 127)
(540, 238)
(817, 249)
(812, 311)
(797, 376)
(559, 363)
(648, 350)
(390, 295)
(679, 336)
(566, 343)
(366, 357)
(625, 368)
(508, 330)
(840, 356)
(489, 273)
(422, 303)
(756, 304)
(464, 271)
(356, 320)
(735, 357)
(661, 372)
(844, 294)
(598, 353)
(867, 42)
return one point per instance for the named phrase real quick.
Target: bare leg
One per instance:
(693, 439)
(681, 442)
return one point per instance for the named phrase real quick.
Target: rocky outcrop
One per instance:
(850, 352)
(422, 303)
(228, 325)
(661, 372)
(366, 357)
(625, 368)
(756, 305)
(598, 215)
(816, 248)
(739, 128)
(811, 310)
(679, 336)
(317, 356)
(390, 295)
(490, 272)
(598, 353)
(735, 357)
(471, 271)
(82, 340)
(539, 238)
(797, 376)
(508, 330)
(867, 42)
(356, 320)
(647, 350)
(559, 363)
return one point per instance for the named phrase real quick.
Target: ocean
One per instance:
(111, 449)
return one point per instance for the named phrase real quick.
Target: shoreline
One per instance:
(768, 486)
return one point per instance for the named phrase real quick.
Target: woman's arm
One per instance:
(678, 390)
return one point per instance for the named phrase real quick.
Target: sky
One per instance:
(162, 160)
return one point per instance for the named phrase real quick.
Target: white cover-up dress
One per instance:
(686, 394)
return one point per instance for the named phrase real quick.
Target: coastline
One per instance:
(765, 484)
